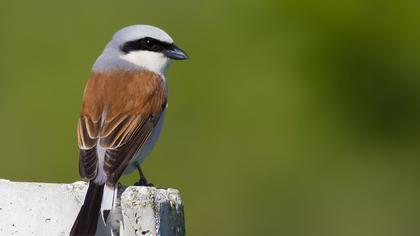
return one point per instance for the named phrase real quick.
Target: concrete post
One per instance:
(50, 209)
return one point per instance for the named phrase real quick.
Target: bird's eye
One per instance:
(150, 43)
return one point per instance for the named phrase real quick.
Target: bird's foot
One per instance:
(142, 181)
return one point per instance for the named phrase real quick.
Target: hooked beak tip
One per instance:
(176, 54)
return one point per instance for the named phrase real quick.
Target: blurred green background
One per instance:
(291, 118)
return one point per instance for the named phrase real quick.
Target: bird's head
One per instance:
(141, 46)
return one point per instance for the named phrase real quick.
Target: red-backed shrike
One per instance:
(122, 114)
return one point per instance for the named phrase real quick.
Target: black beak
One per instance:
(175, 53)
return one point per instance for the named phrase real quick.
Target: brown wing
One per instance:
(120, 109)
(123, 147)
(87, 130)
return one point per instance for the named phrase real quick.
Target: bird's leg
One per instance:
(142, 181)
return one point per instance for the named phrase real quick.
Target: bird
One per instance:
(123, 109)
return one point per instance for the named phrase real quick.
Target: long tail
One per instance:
(87, 219)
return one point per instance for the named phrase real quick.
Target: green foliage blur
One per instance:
(291, 118)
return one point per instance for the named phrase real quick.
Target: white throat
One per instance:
(152, 61)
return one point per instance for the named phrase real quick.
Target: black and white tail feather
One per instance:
(99, 201)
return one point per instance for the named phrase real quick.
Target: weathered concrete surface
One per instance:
(151, 211)
(50, 209)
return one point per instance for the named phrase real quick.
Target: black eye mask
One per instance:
(146, 44)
